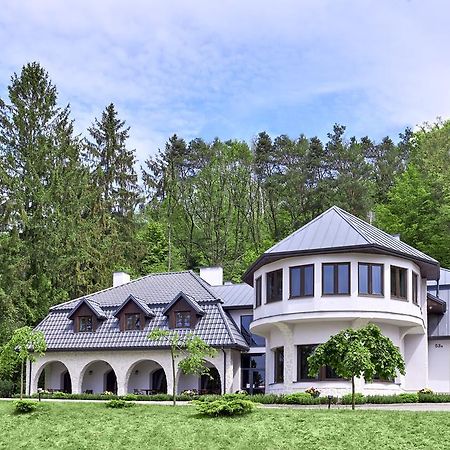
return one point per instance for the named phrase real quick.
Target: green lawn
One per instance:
(93, 426)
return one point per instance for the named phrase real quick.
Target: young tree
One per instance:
(192, 349)
(365, 352)
(24, 345)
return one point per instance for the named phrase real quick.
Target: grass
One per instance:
(93, 426)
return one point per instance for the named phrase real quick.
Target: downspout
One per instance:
(29, 379)
(224, 370)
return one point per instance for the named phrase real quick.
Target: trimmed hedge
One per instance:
(299, 398)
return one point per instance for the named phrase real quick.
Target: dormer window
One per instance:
(182, 319)
(85, 324)
(133, 321)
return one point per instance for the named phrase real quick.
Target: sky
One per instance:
(231, 69)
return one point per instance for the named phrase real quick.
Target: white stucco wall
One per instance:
(439, 365)
(312, 320)
(124, 363)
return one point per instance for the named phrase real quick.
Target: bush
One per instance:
(265, 398)
(223, 407)
(347, 399)
(425, 391)
(389, 399)
(24, 406)
(6, 388)
(434, 398)
(130, 397)
(299, 398)
(119, 404)
(313, 392)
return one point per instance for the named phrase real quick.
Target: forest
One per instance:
(76, 207)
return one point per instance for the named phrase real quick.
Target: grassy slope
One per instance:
(93, 426)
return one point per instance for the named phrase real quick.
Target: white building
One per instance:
(335, 272)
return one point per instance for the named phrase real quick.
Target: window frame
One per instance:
(127, 316)
(271, 273)
(258, 292)
(415, 288)
(250, 337)
(278, 365)
(302, 281)
(322, 375)
(336, 279)
(370, 281)
(187, 314)
(396, 296)
(90, 318)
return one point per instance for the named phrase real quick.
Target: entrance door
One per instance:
(67, 382)
(210, 383)
(253, 373)
(159, 381)
(111, 382)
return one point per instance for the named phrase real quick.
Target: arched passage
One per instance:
(98, 377)
(146, 377)
(205, 384)
(54, 377)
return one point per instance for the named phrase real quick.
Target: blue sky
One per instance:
(234, 68)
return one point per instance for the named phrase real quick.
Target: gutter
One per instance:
(224, 370)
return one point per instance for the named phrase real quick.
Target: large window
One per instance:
(274, 286)
(398, 282)
(253, 340)
(133, 321)
(278, 357)
(415, 288)
(370, 279)
(303, 353)
(336, 279)
(182, 319)
(258, 292)
(253, 372)
(301, 281)
(85, 324)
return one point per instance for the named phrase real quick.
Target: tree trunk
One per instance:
(21, 380)
(174, 385)
(353, 392)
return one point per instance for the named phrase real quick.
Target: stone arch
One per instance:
(54, 375)
(98, 376)
(203, 384)
(146, 376)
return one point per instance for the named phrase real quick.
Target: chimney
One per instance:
(212, 275)
(120, 278)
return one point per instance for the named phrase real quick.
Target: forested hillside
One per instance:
(74, 208)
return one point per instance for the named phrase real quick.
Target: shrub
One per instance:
(265, 398)
(24, 406)
(223, 407)
(347, 399)
(389, 399)
(130, 397)
(299, 398)
(434, 398)
(119, 404)
(6, 388)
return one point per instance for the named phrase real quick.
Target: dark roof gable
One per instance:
(93, 306)
(139, 303)
(181, 295)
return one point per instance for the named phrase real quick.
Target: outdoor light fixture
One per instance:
(136, 372)
(330, 398)
(90, 372)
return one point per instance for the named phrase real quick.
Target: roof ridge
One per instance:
(227, 325)
(379, 230)
(205, 285)
(342, 214)
(115, 287)
(294, 233)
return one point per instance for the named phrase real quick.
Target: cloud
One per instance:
(233, 68)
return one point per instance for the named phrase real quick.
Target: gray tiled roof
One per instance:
(337, 230)
(235, 295)
(156, 291)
